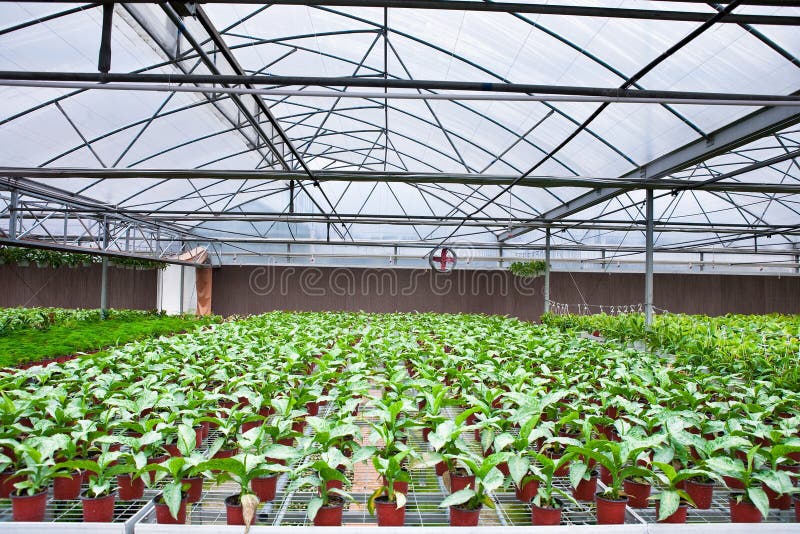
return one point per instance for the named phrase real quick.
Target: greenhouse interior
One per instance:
(400, 265)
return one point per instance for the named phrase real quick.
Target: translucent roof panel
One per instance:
(163, 128)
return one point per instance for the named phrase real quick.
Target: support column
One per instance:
(104, 276)
(547, 270)
(180, 306)
(648, 272)
(14, 215)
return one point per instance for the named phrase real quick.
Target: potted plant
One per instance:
(98, 499)
(133, 463)
(171, 503)
(29, 500)
(389, 500)
(545, 506)
(701, 487)
(673, 502)
(750, 505)
(448, 442)
(465, 504)
(619, 460)
(324, 477)
(242, 469)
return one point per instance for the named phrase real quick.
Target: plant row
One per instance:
(78, 331)
(23, 257)
(752, 346)
(13, 319)
(309, 395)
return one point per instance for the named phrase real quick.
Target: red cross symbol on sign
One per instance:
(444, 262)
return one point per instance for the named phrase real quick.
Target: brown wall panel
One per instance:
(76, 288)
(248, 290)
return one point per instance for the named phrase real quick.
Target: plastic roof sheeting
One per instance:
(157, 130)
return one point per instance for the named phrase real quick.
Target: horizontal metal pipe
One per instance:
(130, 81)
(410, 177)
(519, 7)
(90, 251)
(427, 245)
(599, 226)
(480, 259)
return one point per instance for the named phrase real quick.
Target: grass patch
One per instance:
(32, 345)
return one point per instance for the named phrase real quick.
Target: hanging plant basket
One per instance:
(528, 269)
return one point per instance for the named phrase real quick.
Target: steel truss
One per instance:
(201, 53)
(38, 217)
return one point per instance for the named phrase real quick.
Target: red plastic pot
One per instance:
(679, 516)
(205, 428)
(172, 450)
(29, 507)
(778, 501)
(164, 517)
(563, 470)
(545, 516)
(463, 517)
(389, 515)
(425, 433)
(195, 489)
(329, 516)
(605, 475)
(610, 511)
(701, 493)
(460, 481)
(312, 408)
(299, 426)
(744, 512)
(265, 487)
(337, 484)
(226, 453)
(586, 489)
(198, 436)
(288, 442)
(441, 468)
(233, 510)
(130, 490)
(503, 467)
(637, 493)
(67, 488)
(98, 509)
(796, 501)
(528, 491)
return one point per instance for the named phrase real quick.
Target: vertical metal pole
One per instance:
(180, 307)
(104, 57)
(12, 220)
(702, 261)
(797, 261)
(547, 270)
(648, 273)
(104, 275)
(500, 261)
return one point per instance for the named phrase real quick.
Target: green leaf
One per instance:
(576, 472)
(186, 439)
(371, 501)
(758, 497)
(493, 480)
(313, 507)
(172, 498)
(670, 500)
(518, 467)
(459, 497)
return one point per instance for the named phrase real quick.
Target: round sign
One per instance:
(443, 260)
